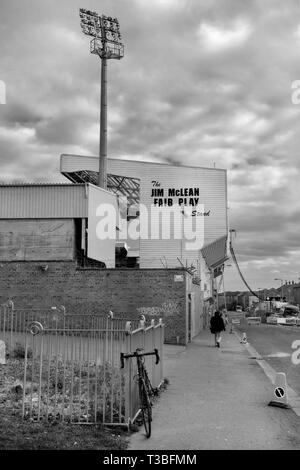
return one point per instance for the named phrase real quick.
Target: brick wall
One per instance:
(129, 293)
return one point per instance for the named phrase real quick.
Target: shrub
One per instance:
(18, 351)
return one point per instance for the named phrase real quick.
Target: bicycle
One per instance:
(146, 391)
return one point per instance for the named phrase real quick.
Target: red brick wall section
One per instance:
(129, 293)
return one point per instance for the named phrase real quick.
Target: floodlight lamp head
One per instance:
(83, 12)
(106, 33)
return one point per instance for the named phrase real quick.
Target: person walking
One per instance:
(217, 325)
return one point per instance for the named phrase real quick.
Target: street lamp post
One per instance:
(106, 43)
(261, 292)
(224, 291)
(281, 281)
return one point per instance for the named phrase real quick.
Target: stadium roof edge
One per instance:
(178, 165)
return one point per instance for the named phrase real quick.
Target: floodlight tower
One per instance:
(106, 43)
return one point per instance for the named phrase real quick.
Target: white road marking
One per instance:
(279, 354)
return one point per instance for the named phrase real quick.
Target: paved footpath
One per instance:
(217, 399)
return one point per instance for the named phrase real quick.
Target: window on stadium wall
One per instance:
(166, 213)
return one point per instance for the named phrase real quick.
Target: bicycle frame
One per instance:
(145, 388)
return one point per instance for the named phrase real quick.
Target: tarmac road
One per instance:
(274, 344)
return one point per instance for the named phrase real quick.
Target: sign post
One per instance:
(280, 397)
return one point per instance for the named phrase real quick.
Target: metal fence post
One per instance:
(4, 307)
(128, 374)
(10, 305)
(161, 346)
(104, 369)
(111, 361)
(152, 347)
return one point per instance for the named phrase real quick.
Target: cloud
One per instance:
(201, 83)
(215, 38)
(161, 4)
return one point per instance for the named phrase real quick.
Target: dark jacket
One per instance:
(217, 324)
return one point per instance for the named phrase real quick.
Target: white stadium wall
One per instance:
(201, 192)
(102, 205)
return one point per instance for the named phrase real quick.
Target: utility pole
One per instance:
(224, 292)
(106, 43)
(225, 300)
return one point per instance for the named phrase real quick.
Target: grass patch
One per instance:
(16, 434)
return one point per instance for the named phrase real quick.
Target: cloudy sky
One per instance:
(203, 82)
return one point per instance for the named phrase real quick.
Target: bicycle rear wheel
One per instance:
(146, 408)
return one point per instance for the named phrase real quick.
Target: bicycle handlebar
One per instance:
(138, 354)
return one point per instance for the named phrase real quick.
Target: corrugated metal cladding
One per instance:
(43, 201)
(212, 184)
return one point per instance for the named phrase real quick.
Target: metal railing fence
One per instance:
(72, 363)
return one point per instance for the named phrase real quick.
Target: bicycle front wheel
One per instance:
(146, 408)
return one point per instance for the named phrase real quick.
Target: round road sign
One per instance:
(279, 392)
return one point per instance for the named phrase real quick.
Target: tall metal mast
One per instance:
(106, 43)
